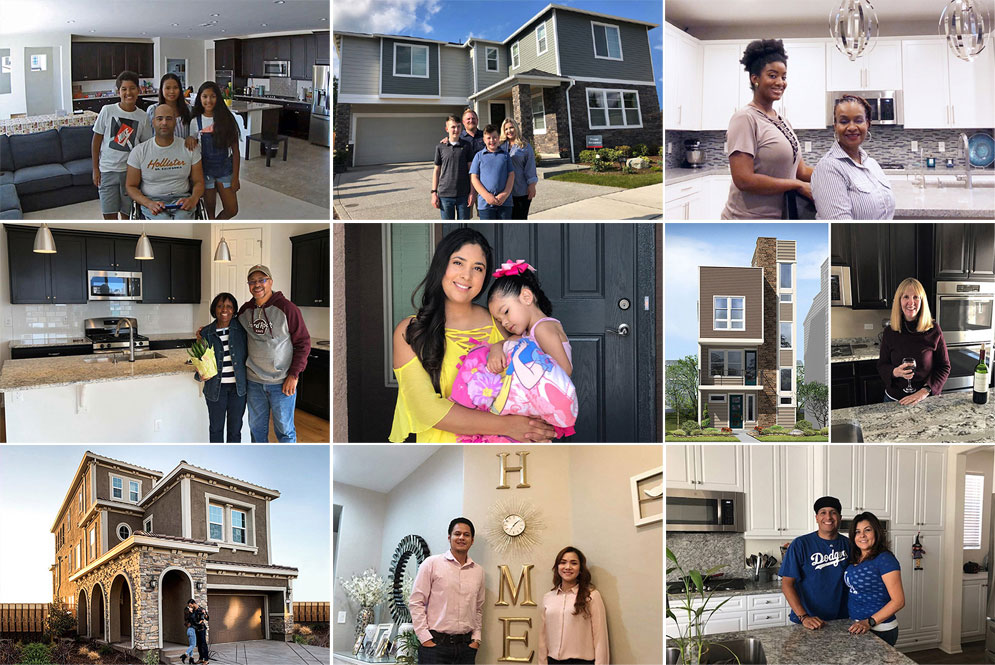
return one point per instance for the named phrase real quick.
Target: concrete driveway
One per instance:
(268, 652)
(402, 191)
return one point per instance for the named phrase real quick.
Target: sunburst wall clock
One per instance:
(514, 526)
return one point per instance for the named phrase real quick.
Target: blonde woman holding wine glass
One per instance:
(913, 362)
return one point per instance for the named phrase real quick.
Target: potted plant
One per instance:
(691, 641)
(407, 649)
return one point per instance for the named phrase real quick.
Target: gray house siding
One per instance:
(402, 85)
(360, 71)
(485, 79)
(527, 48)
(457, 75)
(577, 49)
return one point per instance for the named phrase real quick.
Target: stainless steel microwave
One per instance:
(704, 510)
(886, 105)
(276, 68)
(839, 287)
(113, 285)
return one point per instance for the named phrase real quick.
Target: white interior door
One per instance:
(246, 251)
(39, 80)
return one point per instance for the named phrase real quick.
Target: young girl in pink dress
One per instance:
(529, 372)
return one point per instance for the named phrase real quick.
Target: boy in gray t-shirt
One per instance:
(163, 172)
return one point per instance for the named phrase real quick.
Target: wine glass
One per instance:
(909, 361)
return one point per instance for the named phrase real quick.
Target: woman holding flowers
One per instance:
(225, 391)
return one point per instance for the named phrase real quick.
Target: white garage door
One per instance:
(398, 139)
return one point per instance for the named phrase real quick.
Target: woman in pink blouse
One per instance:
(574, 626)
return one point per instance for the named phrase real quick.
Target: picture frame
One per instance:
(380, 639)
(647, 493)
(368, 638)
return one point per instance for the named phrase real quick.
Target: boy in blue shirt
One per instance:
(493, 177)
(813, 568)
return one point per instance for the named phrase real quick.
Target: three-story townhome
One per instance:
(133, 545)
(747, 332)
(565, 75)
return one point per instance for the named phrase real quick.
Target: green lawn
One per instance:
(710, 437)
(609, 179)
(779, 438)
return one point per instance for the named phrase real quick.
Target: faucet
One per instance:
(967, 160)
(131, 337)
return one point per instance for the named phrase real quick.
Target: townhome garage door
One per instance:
(380, 140)
(236, 618)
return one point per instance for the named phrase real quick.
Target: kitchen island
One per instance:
(67, 399)
(831, 645)
(946, 418)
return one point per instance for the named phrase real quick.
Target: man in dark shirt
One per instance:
(198, 617)
(451, 190)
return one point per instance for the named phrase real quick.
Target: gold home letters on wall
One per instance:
(508, 638)
(521, 469)
(524, 582)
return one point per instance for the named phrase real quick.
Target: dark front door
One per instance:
(497, 113)
(600, 280)
(736, 411)
(751, 368)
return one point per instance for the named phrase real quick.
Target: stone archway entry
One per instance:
(174, 592)
(82, 614)
(121, 611)
(97, 613)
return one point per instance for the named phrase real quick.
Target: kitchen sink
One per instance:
(747, 651)
(123, 357)
(846, 433)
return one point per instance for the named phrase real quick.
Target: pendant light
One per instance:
(44, 241)
(966, 28)
(222, 254)
(853, 25)
(143, 250)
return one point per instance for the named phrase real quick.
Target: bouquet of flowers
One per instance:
(368, 591)
(203, 359)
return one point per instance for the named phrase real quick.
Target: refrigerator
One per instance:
(990, 613)
(321, 106)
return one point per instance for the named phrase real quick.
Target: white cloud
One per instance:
(385, 16)
(658, 47)
(810, 262)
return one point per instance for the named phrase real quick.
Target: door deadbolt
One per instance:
(622, 330)
(623, 304)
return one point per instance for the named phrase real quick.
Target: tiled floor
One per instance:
(303, 176)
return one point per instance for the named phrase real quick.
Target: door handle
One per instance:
(622, 330)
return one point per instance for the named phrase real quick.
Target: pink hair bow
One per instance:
(510, 267)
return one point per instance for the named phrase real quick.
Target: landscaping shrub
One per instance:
(705, 422)
(35, 653)
(640, 150)
(727, 430)
(824, 431)
(690, 425)
(63, 651)
(655, 149)
(586, 156)
(624, 151)
(809, 432)
(60, 622)
(300, 639)
(151, 657)
(776, 429)
(9, 653)
(712, 431)
(678, 432)
(803, 424)
(105, 649)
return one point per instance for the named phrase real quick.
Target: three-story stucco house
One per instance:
(564, 75)
(132, 546)
(747, 332)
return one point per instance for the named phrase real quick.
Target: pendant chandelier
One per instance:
(853, 26)
(966, 28)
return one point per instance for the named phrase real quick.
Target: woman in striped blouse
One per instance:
(847, 183)
(225, 391)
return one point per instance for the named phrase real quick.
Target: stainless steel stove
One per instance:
(101, 333)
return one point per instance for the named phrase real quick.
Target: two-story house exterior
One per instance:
(132, 545)
(747, 332)
(564, 75)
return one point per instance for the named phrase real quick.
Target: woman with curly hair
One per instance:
(574, 626)
(764, 154)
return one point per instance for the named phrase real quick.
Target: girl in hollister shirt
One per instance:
(574, 626)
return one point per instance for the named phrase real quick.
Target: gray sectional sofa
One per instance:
(45, 170)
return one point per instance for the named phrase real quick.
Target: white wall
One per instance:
(982, 462)
(277, 252)
(61, 43)
(193, 50)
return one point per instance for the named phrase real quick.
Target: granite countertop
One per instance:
(950, 201)
(272, 100)
(88, 96)
(247, 107)
(947, 418)
(871, 352)
(674, 176)
(49, 340)
(160, 337)
(752, 589)
(321, 344)
(831, 645)
(70, 370)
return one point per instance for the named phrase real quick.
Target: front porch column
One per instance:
(521, 103)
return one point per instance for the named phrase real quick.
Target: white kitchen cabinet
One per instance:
(804, 101)
(972, 90)
(941, 90)
(881, 69)
(919, 621)
(685, 200)
(776, 476)
(683, 80)
(715, 196)
(705, 467)
(739, 613)
(860, 477)
(724, 79)
(973, 607)
(918, 474)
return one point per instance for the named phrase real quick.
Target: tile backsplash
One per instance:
(888, 144)
(701, 551)
(40, 321)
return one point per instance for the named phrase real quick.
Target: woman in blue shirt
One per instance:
(874, 578)
(523, 160)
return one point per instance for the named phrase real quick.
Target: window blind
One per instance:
(974, 487)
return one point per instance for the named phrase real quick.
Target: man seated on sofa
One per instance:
(162, 169)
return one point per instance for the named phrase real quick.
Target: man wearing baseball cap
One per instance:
(278, 344)
(813, 567)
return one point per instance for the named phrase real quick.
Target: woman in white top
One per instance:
(574, 626)
(847, 183)
(170, 95)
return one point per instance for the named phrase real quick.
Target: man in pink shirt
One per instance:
(447, 601)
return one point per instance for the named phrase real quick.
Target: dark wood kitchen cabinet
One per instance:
(299, 62)
(139, 58)
(964, 252)
(173, 276)
(903, 259)
(869, 252)
(283, 50)
(58, 278)
(856, 384)
(93, 61)
(295, 120)
(839, 244)
(844, 388)
(270, 51)
(322, 55)
(252, 57)
(228, 55)
(109, 253)
(312, 384)
(309, 269)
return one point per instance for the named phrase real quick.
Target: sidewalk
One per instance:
(639, 203)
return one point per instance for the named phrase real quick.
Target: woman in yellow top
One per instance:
(428, 346)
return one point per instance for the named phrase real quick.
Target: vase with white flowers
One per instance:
(367, 590)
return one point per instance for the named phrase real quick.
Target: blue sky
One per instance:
(691, 245)
(34, 480)
(457, 20)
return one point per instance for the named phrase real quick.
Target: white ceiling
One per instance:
(377, 468)
(695, 13)
(155, 18)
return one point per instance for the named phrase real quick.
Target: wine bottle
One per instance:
(981, 379)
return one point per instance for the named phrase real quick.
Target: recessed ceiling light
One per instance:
(215, 14)
(145, 33)
(321, 19)
(224, 31)
(93, 31)
(70, 21)
(175, 24)
(263, 24)
(278, 2)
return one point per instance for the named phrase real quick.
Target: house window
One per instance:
(725, 362)
(607, 42)
(515, 60)
(729, 313)
(716, 398)
(785, 275)
(81, 500)
(76, 560)
(785, 400)
(785, 334)
(133, 491)
(785, 382)
(538, 114)
(786, 297)
(974, 487)
(216, 520)
(411, 60)
(751, 407)
(238, 526)
(93, 543)
(123, 531)
(541, 39)
(117, 487)
(491, 56)
(613, 108)
(147, 525)
(406, 254)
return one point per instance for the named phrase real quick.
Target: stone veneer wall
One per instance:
(281, 626)
(556, 139)
(521, 109)
(765, 256)
(649, 108)
(342, 126)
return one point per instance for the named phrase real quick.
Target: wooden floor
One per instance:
(310, 428)
(972, 653)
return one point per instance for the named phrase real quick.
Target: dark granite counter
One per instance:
(49, 340)
(752, 589)
(871, 349)
(946, 418)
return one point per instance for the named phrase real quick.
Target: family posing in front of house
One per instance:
(827, 576)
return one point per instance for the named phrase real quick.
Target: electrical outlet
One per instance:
(808, 146)
(868, 326)
(915, 146)
(157, 427)
(670, 147)
(341, 617)
(8, 322)
(943, 146)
